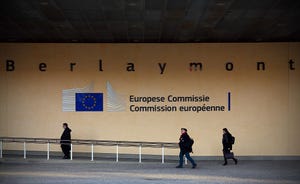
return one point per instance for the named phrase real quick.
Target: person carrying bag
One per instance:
(227, 141)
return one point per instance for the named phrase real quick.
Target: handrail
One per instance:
(88, 141)
(93, 143)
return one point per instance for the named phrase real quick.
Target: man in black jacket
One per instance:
(185, 145)
(65, 141)
(227, 146)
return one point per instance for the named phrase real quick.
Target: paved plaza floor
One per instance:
(56, 171)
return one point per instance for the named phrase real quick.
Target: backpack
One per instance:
(191, 142)
(190, 145)
(232, 141)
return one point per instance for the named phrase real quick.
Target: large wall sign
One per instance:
(78, 99)
(149, 91)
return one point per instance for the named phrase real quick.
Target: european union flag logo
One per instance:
(89, 101)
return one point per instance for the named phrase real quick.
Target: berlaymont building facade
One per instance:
(128, 75)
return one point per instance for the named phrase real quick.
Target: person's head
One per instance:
(183, 130)
(65, 125)
(225, 130)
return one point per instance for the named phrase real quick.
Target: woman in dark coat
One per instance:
(65, 141)
(227, 146)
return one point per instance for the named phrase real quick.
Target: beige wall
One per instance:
(265, 116)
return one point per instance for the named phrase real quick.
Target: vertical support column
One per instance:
(163, 154)
(1, 149)
(185, 160)
(140, 153)
(48, 151)
(117, 153)
(24, 148)
(71, 152)
(92, 152)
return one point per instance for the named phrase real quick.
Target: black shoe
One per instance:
(179, 166)
(194, 166)
(224, 164)
(235, 161)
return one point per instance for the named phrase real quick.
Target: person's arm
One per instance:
(228, 143)
(62, 137)
(226, 139)
(69, 137)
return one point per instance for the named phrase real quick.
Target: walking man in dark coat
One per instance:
(185, 145)
(227, 146)
(65, 141)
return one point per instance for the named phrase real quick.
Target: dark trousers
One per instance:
(187, 155)
(226, 152)
(66, 150)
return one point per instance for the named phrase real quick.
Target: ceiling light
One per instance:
(131, 4)
(220, 3)
(44, 3)
(281, 24)
(258, 39)
(11, 39)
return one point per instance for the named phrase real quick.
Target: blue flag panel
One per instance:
(89, 101)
